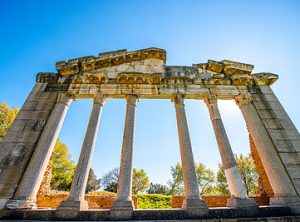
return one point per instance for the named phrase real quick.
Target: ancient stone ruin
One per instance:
(143, 74)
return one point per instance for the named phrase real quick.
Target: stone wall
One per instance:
(265, 186)
(22, 137)
(46, 183)
(282, 131)
(103, 201)
(218, 201)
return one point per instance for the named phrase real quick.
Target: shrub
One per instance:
(153, 201)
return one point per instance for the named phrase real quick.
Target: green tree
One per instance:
(221, 184)
(140, 182)
(205, 178)
(62, 167)
(109, 181)
(248, 172)
(7, 116)
(176, 183)
(93, 183)
(158, 189)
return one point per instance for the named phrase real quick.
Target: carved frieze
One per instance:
(90, 78)
(241, 79)
(138, 78)
(178, 81)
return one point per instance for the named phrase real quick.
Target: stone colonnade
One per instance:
(284, 192)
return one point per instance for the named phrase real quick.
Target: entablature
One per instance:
(145, 72)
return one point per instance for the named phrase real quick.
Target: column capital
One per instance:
(243, 99)
(100, 99)
(210, 99)
(178, 99)
(131, 99)
(212, 105)
(65, 98)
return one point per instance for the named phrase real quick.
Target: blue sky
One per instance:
(36, 34)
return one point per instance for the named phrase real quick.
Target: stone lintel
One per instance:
(153, 91)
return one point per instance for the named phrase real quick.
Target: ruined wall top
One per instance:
(145, 72)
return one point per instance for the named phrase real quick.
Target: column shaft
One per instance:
(191, 189)
(232, 173)
(77, 191)
(25, 196)
(124, 200)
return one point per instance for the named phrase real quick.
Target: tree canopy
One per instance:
(158, 189)
(140, 181)
(205, 179)
(248, 172)
(7, 116)
(93, 183)
(62, 167)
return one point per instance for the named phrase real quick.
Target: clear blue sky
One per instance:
(36, 34)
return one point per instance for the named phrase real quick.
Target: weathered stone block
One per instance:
(275, 105)
(282, 134)
(272, 123)
(290, 158)
(5, 149)
(21, 136)
(296, 145)
(29, 105)
(279, 113)
(266, 89)
(18, 124)
(7, 190)
(296, 182)
(294, 172)
(266, 97)
(33, 115)
(265, 113)
(38, 88)
(261, 105)
(46, 96)
(287, 123)
(284, 146)
(35, 125)
(45, 106)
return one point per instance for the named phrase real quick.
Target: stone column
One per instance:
(123, 206)
(25, 196)
(284, 192)
(239, 197)
(76, 197)
(192, 202)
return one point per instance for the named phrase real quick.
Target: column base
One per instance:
(195, 207)
(3, 202)
(21, 204)
(76, 205)
(236, 202)
(121, 209)
(293, 202)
